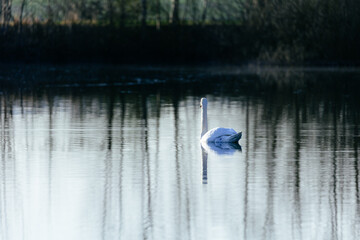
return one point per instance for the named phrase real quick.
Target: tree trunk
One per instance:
(144, 13)
(175, 12)
(194, 11)
(49, 11)
(6, 13)
(158, 14)
(203, 18)
(122, 13)
(81, 9)
(1, 12)
(23, 2)
(111, 12)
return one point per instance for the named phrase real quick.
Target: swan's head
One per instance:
(203, 102)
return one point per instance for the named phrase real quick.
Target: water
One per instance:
(115, 154)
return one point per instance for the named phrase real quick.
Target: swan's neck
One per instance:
(204, 123)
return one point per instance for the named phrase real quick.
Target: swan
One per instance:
(215, 135)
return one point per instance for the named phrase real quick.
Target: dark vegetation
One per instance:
(173, 31)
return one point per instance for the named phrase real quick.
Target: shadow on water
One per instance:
(221, 148)
(108, 163)
(204, 157)
(216, 149)
(127, 148)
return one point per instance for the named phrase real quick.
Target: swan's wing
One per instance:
(215, 134)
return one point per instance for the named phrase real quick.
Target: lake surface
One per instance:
(103, 152)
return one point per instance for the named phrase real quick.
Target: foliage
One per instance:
(279, 31)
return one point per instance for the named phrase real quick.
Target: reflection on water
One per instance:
(125, 162)
(221, 148)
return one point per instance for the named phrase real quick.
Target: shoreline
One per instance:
(171, 45)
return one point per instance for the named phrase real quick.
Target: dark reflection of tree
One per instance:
(108, 161)
(255, 107)
(272, 116)
(246, 191)
(50, 101)
(148, 228)
(22, 101)
(342, 180)
(356, 163)
(3, 112)
(158, 115)
(7, 156)
(110, 115)
(181, 184)
(82, 103)
(297, 169)
(333, 194)
(151, 181)
(121, 163)
(175, 100)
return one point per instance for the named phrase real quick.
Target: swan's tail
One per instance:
(234, 138)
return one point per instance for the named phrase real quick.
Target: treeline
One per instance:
(275, 31)
(121, 12)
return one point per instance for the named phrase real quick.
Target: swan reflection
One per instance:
(217, 149)
(221, 148)
(204, 165)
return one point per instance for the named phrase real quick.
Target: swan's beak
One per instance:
(200, 106)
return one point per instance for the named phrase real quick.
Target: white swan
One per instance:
(215, 135)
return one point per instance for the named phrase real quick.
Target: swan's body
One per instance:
(219, 135)
(215, 135)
